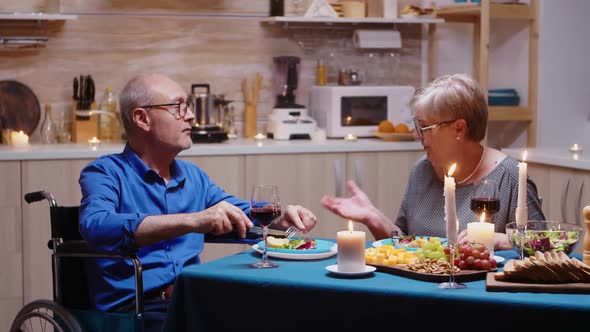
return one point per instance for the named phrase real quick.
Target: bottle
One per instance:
(48, 131)
(108, 124)
(277, 8)
(321, 73)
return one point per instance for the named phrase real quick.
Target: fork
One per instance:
(291, 231)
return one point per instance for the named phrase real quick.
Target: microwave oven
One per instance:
(357, 110)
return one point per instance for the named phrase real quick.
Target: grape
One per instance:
(474, 256)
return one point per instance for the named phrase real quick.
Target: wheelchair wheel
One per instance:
(44, 315)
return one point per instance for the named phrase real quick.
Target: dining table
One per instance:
(302, 295)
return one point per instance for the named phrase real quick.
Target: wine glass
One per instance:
(451, 284)
(485, 199)
(265, 208)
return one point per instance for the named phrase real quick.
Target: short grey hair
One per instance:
(136, 93)
(452, 97)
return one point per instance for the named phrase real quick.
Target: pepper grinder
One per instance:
(586, 253)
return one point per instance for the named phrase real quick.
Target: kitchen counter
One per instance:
(230, 147)
(554, 157)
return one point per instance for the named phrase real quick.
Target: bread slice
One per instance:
(549, 267)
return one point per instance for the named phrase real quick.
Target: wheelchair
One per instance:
(70, 308)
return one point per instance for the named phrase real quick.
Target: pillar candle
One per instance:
(521, 207)
(351, 250)
(19, 139)
(450, 207)
(481, 232)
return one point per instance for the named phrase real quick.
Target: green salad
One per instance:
(556, 240)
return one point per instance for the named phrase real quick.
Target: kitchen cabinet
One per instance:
(383, 177)
(11, 246)
(564, 191)
(33, 21)
(302, 179)
(481, 15)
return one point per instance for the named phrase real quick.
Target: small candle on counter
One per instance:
(351, 250)
(350, 138)
(259, 136)
(521, 208)
(94, 143)
(481, 232)
(575, 148)
(450, 206)
(19, 139)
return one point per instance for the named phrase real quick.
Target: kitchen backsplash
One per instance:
(194, 42)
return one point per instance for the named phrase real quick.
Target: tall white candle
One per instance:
(351, 250)
(450, 206)
(521, 208)
(481, 232)
(19, 139)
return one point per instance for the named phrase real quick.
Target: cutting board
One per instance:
(403, 271)
(493, 285)
(19, 107)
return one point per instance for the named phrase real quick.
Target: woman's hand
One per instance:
(358, 207)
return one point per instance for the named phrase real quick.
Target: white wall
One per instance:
(564, 115)
(564, 70)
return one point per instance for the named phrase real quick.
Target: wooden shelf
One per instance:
(509, 113)
(459, 13)
(36, 17)
(332, 20)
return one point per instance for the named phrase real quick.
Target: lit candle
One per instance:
(94, 143)
(19, 139)
(575, 148)
(350, 138)
(481, 232)
(259, 136)
(521, 208)
(450, 207)
(351, 250)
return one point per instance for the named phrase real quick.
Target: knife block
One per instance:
(84, 127)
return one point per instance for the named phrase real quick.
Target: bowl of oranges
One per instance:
(388, 131)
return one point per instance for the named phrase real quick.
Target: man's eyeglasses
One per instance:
(420, 130)
(177, 109)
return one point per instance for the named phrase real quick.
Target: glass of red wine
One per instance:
(485, 199)
(265, 208)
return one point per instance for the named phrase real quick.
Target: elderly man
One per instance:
(146, 201)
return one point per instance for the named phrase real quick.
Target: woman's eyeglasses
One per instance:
(177, 109)
(420, 130)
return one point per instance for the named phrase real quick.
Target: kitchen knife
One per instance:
(92, 91)
(75, 96)
(81, 95)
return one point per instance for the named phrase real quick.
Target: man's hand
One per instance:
(222, 218)
(298, 216)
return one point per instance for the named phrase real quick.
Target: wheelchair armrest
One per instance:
(80, 248)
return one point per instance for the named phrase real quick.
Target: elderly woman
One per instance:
(450, 117)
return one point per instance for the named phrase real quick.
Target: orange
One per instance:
(386, 126)
(402, 128)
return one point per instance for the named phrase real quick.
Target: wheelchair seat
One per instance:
(70, 308)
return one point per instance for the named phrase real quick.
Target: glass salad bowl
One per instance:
(544, 236)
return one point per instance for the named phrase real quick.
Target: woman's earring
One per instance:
(458, 138)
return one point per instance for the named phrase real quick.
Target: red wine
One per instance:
(489, 205)
(264, 216)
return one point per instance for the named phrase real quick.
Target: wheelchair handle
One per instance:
(40, 195)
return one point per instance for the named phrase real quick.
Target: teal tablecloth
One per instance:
(228, 295)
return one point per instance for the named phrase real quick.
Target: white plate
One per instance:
(296, 256)
(498, 259)
(334, 269)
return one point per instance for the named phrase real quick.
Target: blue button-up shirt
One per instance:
(118, 192)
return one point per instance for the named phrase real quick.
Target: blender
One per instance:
(288, 120)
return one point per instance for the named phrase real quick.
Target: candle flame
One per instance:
(350, 229)
(524, 155)
(452, 169)
(483, 217)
